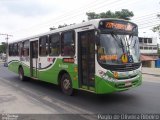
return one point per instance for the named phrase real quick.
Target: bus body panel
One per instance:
(51, 74)
(103, 86)
(49, 67)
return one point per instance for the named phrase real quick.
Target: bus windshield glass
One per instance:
(118, 49)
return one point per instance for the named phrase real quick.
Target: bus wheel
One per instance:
(66, 84)
(21, 74)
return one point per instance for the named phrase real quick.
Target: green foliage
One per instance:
(52, 28)
(156, 28)
(158, 50)
(123, 14)
(61, 26)
(92, 15)
(3, 47)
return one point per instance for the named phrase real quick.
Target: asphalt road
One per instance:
(39, 97)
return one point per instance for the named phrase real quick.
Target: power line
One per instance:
(148, 26)
(7, 37)
(145, 17)
(148, 21)
(104, 5)
(64, 17)
(49, 23)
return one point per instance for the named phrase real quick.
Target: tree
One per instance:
(92, 15)
(52, 28)
(156, 28)
(61, 26)
(123, 14)
(3, 47)
(158, 50)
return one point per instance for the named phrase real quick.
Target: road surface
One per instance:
(35, 97)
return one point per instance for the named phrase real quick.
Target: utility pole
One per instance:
(7, 37)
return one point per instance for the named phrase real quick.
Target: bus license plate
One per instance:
(128, 84)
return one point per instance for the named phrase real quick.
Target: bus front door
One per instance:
(86, 60)
(34, 58)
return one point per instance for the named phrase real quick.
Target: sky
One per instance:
(24, 18)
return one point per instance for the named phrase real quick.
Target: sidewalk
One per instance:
(14, 101)
(1, 61)
(151, 71)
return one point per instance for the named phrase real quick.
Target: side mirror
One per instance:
(97, 37)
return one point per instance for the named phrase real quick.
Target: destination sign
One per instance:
(117, 25)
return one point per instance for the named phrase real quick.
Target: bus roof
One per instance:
(70, 27)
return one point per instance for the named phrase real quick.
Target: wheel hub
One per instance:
(66, 84)
(20, 75)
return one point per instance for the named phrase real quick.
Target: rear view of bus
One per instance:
(118, 65)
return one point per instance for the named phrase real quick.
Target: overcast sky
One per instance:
(23, 18)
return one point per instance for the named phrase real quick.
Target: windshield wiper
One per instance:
(132, 40)
(114, 35)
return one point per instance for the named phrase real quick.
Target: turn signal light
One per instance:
(115, 74)
(75, 69)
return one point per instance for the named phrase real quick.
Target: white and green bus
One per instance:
(100, 56)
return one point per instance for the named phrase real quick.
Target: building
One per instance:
(158, 36)
(148, 45)
(148, 49)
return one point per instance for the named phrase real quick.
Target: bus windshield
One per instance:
(115, 49)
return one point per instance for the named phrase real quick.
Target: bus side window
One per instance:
(11, 50)
(26, 48)
(54, 45)
(68, 44)
(15, 49)
(20, 48)
(35, 49)
(43, 46)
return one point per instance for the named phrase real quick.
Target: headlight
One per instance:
(101, 73)
(107, 78)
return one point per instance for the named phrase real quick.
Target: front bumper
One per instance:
(104, 86)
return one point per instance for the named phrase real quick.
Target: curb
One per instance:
(157, 75)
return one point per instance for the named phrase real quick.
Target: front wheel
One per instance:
(66, 84)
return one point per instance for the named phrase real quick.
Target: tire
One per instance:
(66, 85)
(21, 74)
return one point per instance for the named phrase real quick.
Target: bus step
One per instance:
(34, 78)
(86, 90)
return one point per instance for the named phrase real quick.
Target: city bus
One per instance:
(99, 56)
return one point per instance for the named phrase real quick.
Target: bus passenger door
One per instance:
(34, 58)
(86, 60)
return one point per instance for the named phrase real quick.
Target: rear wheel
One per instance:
(66, 84)
(21, 74)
